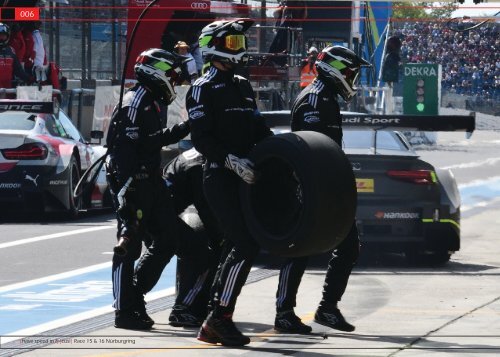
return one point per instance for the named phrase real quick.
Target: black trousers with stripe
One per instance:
(221, 191)
(157, 228)
(343, 259)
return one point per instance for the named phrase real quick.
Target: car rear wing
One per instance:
(465, 123)
(30, 106)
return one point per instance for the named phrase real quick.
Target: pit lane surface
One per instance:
(398, 309)
(58, 272)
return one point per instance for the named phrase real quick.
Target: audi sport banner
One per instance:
(390, 122)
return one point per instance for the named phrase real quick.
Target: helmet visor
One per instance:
(235, 42)
(350, 76)
(173, 74)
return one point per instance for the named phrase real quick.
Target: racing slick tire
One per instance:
(304, 201)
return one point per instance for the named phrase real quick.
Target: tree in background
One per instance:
(441, 10)
(423, 10)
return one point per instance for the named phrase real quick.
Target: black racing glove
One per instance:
(244, 168)
(175, 133)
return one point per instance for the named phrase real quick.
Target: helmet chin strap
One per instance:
(224, 66)
(229, 66)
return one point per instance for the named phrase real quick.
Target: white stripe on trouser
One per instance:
(229, 286)
(188, 300)
(116, 286)
(283, 284)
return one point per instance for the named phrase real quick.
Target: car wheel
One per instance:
(441, 257)
(423, 257)
(304, 202)
(75, 203)
(415, 256)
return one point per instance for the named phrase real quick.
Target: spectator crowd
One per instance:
(470, 59)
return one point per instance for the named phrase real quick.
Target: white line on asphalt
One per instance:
(53, 236)
(490, 182)
(48, 279)
(32, 331)
(481, 204)
(491, 162)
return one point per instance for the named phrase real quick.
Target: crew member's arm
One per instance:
(125, 143)
(175, 133)
(262, 131)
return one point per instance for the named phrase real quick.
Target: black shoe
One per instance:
(182, 316)
(222, 330)
(288, 322)
(131, 320)
(140, 308)
(334, 319)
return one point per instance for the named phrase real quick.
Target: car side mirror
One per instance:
(97, 134)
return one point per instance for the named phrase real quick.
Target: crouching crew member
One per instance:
(200, 242)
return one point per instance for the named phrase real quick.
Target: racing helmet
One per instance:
(4, 34)
(225, 41)
(159, 71)
(339, 67)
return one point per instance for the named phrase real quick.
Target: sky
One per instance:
(470, 9)
(467, 8)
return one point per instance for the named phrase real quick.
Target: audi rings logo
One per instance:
(199, 5)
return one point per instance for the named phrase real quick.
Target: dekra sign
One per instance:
(420, 71)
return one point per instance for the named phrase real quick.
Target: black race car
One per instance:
(404, 203)
(42, 157)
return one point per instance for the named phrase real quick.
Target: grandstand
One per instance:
(470, 61)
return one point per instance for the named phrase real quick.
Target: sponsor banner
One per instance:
(374, 28)
(106, 98)
(365, 185)
(389, 122)
(10, 186)
(43, 94)
(26, 106)
(397, 215)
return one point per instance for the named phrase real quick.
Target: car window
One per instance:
(69, 127)
(17, 121)
(387, 140)
(54, 127)
(358, 139)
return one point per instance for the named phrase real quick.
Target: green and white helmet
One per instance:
(225, 41)
(339, 67)
(160, 71)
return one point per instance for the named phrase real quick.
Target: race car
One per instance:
(405, 204)
(42, 157)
